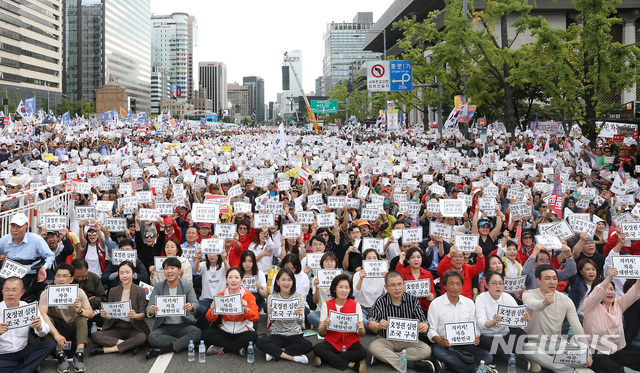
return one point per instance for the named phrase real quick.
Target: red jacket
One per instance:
(339, 339)
(468, 273)
(424, 274)
(234, 254)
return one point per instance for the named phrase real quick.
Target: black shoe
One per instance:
(97, 351)
(374, 361)
(136, 350)
(424, 366)
(151, 353)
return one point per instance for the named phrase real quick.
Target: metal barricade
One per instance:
(35, 209)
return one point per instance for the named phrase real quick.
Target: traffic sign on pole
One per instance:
(389, 76)
(378, 76)
(401, 75)
(324, 106)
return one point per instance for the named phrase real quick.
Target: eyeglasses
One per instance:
(62, 276)
(92, 233)
(496, 283)
(242, 228)
(324, 234)
(149, 236)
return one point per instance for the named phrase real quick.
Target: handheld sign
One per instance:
(13, 269)
(326, 220)
(375, 268)
(376, 244)
(326, 276)
(62, 295)
(85, 212)
(117, 310)
(21, 316)
(118, 256)
(313, 260)
(228, 304)
(205, 212)
(561, 230)
(284, 309)
(411, 235)
(369, 214)
(158, 261)
(250, 283)
(514, 284)
(571, 357)
(549, 241)
(212, 246)
(512, 316)
(405, 330)
(445, 231)
(466, 243)
(54, 223)
(242, 207)
(343, 322)
(418, 288)
(452, 208)
(628, 266)
(171, 305)
(263, 220)
(149, 214)
(291, 230)
(224, 230)
(460, 333)
(305, 217)
(164, 208)
(116, 224)
(631, 230)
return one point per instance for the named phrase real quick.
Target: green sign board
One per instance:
(324, 106)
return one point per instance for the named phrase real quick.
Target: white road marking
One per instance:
(161, 364)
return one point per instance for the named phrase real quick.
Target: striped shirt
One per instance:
(287, 327)
(409, 308)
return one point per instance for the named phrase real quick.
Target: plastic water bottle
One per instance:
(482, 368)
(403, 361)
(512, 364)
(94, 328)
(344, 348)
(191, 352)
(570, 336)
(250, 353)
(202, 357)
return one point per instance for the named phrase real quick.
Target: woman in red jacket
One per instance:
(341, 349)
(414, 271)
(236, 331)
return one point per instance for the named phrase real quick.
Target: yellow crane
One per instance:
(312, 117)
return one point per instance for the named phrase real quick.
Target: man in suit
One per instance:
(172, 333)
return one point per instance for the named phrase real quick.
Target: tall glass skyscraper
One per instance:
(258, 95)
(108, 38)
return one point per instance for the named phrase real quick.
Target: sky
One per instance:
(251, 36)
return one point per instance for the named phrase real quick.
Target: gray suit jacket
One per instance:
(184, 288)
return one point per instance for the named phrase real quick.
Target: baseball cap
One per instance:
(361, 222)
(15, 181)
(19, 219)
(204, 225)
(485, 221)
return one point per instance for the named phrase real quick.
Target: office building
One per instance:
(241, 100)
(343, 54)
(108, 39)
(293, 58)
(258, 95)
(212, 78)
(31, 50)
(160, 88)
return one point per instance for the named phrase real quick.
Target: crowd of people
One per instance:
(453, 250)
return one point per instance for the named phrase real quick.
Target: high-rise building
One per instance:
(31, 49)
(212, 78)
(172, 45)
(343, 54)
(240, 97)
(108, 39)
(258, 95)
(319, 85)
(160, 88)
(293, 58)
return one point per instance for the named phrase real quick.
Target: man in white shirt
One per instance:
(17, 355)
(452, 308)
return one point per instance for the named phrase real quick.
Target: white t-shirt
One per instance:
(213, 281)
(93, 260)
(265, 263)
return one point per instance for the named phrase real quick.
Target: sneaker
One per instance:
(78, 362)
(268, 357)
(424, 366)
(534, 367)
(583, 370)
(317, 361)
(302, 359)
(374, 361)
(243, 352)
(214, 350)
(63, 364)
(438, 366)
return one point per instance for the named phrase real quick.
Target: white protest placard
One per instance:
(487, 205)
(400, 329)
(445, 231)
(343, 322)
(21, 316)
(54, 223)
(581, 225)
(224, 230)
(511, 316)
(149, 214)
(519, 209)
(326, 220)
(624, 218)
(228, 304)
(116, 310)
(212, 246)
(314, 199)
(158, 261)
(628, 266)
(250, 283)
(549, 241)
(466, 243)
(363, 191)
(572, 357)
(85, 212)
(13, 269)
(627, 199)
(418, 288)
(561, 230)
(235, 191)
(118, 256)
(336, 202)
(171, 305)
(373, 243)
(433, 207)
(164, 208)
(104, 206)
(369, 214)
(205, 212)
(452, 208)
(243, 207)
(83, 188)
(62, 295)
(274, 208)
(631, 230)
(375, 268)
(263, 220)
(460, 333)
(116, 224)
(284, 309)
(325, 276)
(291, 230)
(411, 235)
(514, 284)
(313, 260)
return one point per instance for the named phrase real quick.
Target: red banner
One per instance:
(556, 199)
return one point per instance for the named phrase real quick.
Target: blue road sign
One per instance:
(401, 75)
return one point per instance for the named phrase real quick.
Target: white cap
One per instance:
(19, 219)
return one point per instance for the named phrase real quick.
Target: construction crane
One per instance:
(312, 117)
